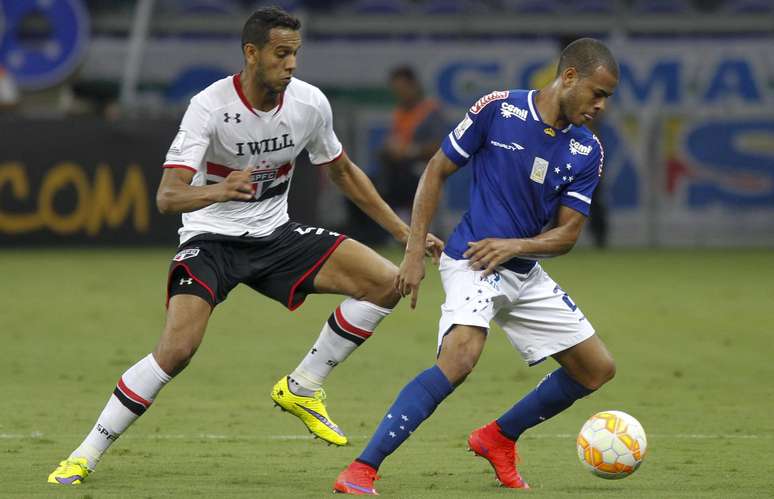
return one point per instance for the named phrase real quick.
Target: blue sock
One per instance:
(554, 394)
(415, 403)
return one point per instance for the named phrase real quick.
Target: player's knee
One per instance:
(175, 356)
(603, 372)
(381, 290)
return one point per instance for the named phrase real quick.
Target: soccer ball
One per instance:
(612, 444)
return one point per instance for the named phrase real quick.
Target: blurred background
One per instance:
(92, 91)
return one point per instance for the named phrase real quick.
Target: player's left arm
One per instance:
(356, 185)
(491, 252)
(573, 211)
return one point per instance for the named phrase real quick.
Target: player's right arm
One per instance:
(412, 269)
(177, 195)
(184, 160)
(456, 149)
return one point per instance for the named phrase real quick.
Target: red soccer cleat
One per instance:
(501, 453)
(356, 479)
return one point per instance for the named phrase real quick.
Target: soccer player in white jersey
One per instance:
(533, 162)
(228, 171)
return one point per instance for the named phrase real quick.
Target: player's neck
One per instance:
(257, 95)
(547, 103)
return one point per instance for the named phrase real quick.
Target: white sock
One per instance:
(134, 393)
(348, 327)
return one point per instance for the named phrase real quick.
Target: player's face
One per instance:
(583, 98)
(274, 63)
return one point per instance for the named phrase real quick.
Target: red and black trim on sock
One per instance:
(130, 399)
(343, 328)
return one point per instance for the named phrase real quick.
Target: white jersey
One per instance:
(221, 132)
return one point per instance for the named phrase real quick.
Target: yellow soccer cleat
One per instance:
(310, 410)
(71, 471)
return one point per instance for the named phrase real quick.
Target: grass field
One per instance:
(691, 331)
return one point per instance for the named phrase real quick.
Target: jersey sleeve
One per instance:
(324, 147)
(579, 191)
(471, 133)
(192, 139)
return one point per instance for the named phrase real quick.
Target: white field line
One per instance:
(215, 436)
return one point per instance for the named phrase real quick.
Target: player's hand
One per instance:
(410, 274)
(236, 187)
(489, 253)
(433, 248)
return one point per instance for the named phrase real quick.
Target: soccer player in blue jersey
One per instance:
(533, 162)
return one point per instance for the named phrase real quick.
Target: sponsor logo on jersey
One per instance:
(185, 254)
(227, 117)
(550, 131)
(508, 110)
(266, 145)
(578, 148)
(539, 169)
(177, 144)
(513, 146)
(462, 127)
(483, 101)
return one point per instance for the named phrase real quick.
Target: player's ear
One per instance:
(251, 53)
(569, 77)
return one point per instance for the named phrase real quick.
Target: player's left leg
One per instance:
(357, 271)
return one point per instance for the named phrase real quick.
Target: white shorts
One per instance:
(539, 318)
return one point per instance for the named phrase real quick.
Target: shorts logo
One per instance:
(493, 280)
(188, 281)
(539, 169)
(578, 148)
(462, 127)
(185, 254)
(314, 230)
(483, 101)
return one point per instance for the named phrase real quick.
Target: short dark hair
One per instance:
(586, 55)
(404, 72)
(258, 25)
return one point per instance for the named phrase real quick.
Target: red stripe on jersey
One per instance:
(238, 87)
(331, 161)
(129, 393)
(184, 167)
(219, 170)
(292, 306)
(346, 326)
(284, 169)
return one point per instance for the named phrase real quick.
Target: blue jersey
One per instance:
(523, 170)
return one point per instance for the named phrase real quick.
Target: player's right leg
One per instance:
(136, 389)
(460, 349)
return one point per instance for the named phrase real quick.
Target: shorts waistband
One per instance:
(519, 265)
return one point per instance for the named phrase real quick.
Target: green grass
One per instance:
(691, 332)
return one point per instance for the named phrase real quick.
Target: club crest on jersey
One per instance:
(185, 254)
(578, 148)
(490, 97)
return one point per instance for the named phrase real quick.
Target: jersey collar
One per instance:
(237, 79)
(533, 110)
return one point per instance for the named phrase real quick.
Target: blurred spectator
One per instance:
(9, 94)
(415, 135)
